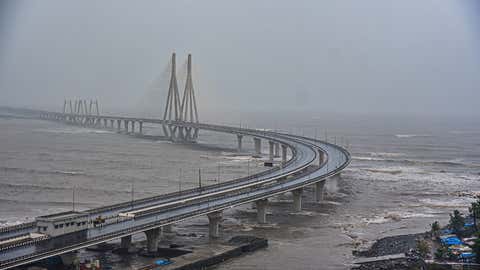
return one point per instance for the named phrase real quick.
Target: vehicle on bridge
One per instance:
(62, 223)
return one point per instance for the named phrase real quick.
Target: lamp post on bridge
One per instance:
(199, 178)
(180, 180)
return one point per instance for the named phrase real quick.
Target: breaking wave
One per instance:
(394, 216)
(35, 171)
(414, 162)
(403, 136)
(384, 171)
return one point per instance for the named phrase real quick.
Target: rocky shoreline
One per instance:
(386, 253)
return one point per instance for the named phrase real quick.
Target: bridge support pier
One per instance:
(105, 123)
(261, 206)
(133, 127)
(284, 153)
(140, 127)
(153, 236)
(239, 141)
(125, 242)
(68, 258)
(258, 146)
(167, 228)
(277, 150)
(335, 177)
(112, 125)
(214, 221)
(319, 191)
(297, 199)
(119, 126)
(321, 157)
(271, 145)
(125, 124)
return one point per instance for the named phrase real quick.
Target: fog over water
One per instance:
(402, 57)
(396, 82)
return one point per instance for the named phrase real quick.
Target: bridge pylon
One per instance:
(172, 111)
(178, 113)
(189, 105)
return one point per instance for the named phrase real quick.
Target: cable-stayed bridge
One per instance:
(301, 161)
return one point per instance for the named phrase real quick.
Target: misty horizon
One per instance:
(394, 59)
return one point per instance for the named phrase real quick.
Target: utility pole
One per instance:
(180, 180)
(73, 199)
(199, 178)
(132, 191)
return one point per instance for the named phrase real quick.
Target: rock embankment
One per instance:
(394, 245)
(391, 245)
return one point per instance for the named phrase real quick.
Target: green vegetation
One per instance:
(423, 248)
(443, 253)
(435, 229)
(475, 211)
(457, 221)
(476, 249)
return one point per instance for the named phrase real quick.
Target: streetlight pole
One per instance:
(180, 180)
(73, 199)
(199, 178)
(132, 192)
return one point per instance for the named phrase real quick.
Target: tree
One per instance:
(457, 221)
(423, 248)
(474, 209)
(435, 228)
(441, 253)
(476, 249)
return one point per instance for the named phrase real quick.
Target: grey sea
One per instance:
(405, 174)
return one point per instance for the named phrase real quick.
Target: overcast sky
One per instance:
(395, 57)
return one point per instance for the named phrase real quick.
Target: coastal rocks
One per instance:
(398, 264)
(394, 252)
(391, 245)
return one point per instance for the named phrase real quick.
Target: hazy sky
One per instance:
(403, 56)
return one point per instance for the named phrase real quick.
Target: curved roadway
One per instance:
(172, 208)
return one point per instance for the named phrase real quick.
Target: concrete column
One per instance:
(321, 157)
(277, 150)
(140, 127)
(284, 153)
(261, 206)
(258, 146)
(68, 258)
(271, 145)
(119, 125)
(167, 228)
(125, 123)
(133, 127)
(239, 141)
(297, 199)
(214, 221)
(126, 241)
(319, 191)
(153, 236)
(105, 123)
(112, 123)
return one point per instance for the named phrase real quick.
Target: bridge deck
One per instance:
(163, 210)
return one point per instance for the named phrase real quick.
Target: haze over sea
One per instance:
(405, 173)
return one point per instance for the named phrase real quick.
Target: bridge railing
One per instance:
(188, 191)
